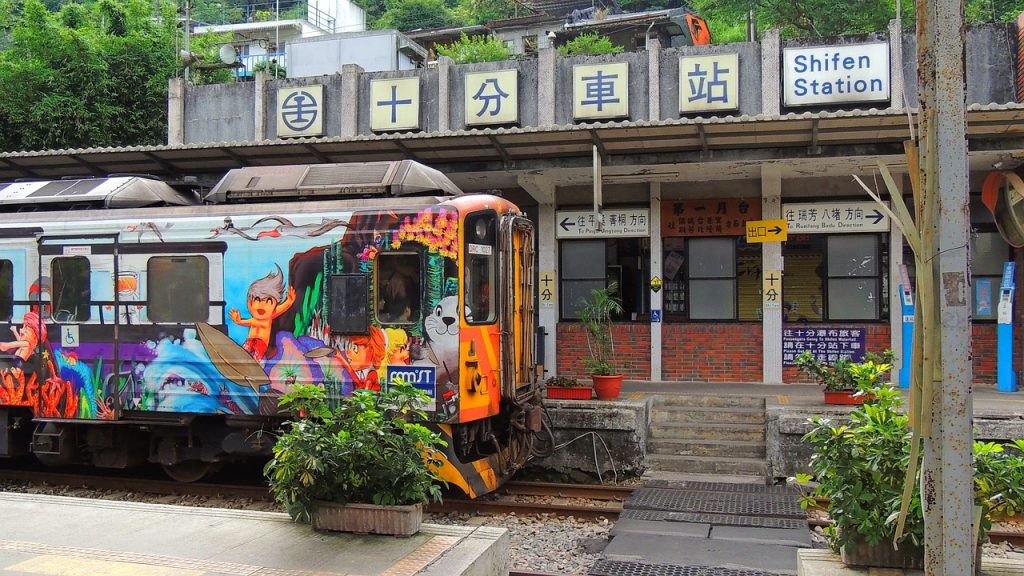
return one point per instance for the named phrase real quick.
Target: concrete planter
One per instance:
(570, 392)
(883, 555)
(368, 518)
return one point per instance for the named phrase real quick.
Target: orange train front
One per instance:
(185, 324)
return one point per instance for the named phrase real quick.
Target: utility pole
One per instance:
(947, 490)
(188, 33)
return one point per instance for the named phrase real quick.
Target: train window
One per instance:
(481, 268)
(178, 289)
(6, 290)
(398, 288)
(71, 294)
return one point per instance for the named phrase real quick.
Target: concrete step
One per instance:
(707, 464)
(697, 400)
(733, 448)
(705, 414)
(706, 431)
(680, 477)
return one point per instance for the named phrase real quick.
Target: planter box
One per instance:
(570, 392)
(883, 555)
(368, 518)
(844, 397)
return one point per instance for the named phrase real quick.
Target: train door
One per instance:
(517, 261)
(82, 347)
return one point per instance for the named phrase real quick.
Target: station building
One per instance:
(679, 150)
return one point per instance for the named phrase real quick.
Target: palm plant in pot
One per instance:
(364, 466)
(596, 316)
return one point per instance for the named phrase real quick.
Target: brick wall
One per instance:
(632, 346)
(707, 352)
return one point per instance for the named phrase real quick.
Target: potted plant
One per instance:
(596, 316)
(365, 466)
(860, 468)
(842, 379)
(566, 388)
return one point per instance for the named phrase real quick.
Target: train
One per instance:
(147, 323)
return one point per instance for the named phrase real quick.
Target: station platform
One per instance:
(60, 536)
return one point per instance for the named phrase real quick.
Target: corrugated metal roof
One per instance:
(521, 145)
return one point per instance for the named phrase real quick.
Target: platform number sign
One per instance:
(547, 290)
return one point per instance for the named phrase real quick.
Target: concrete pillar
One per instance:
(546, 86)
(895, 64)
(653, 79)
(656, 297)
(771, 259)
(350, 99)
(771, 72)
(260, 106)
(444, 68)
(543, 190)
(176, 111)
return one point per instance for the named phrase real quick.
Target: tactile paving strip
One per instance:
(720, 487)
(787, 506)
(715, 519)
(622, 568)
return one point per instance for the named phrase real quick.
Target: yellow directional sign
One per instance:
(767, 230)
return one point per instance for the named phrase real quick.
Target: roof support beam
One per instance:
(164, 164)
(540, 187)
(814, 149)
(92, 168)
(404, 149)
(319, 155)
(704, 152)
(242, 162)
(24, 171)
(600, 146)
(501, 152)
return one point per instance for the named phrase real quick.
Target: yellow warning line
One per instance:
(52, 565)
(419, 558)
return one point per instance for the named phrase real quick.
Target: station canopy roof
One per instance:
(629, 146)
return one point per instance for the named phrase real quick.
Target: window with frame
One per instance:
(988, 253)
(178, 289)
(481, 268)
(6, 290)
(834, 277)
(711, 277)
(397, 287)
(586, 265)
(71, 294)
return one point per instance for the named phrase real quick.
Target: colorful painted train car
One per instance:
(151, 325)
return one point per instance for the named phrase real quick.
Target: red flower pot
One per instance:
(844, 397)
(570, 392)
(607, 387)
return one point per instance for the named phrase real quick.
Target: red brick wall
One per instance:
(632, 346)
(707, 352)
(878, 338)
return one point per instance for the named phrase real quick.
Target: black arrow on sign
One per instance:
(565, 224)
(775, 230)
(877, 216)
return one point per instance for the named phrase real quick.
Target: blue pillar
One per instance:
(907, 305)
(1006, 380)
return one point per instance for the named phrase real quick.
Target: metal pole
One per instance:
(188, 32)
(947, 480)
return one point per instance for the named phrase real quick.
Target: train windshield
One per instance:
(481, 268)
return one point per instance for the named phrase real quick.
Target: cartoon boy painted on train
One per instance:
(266, 301)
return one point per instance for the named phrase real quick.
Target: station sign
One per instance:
(836, 74)
(610, 223)
(835, 217)
(760, 231)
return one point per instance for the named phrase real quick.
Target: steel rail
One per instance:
(524, 508)
(588, 491)
(146, 485)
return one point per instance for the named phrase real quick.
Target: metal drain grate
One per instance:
(622, 568)
(714, 519)
(715, 503)
(720, 487)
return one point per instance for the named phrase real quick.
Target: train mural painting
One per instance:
(183, 320)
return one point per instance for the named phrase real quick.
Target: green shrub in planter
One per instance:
(368, 450)
(860, 467)
(844, 374)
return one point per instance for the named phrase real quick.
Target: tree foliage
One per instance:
(589, 45)
(467, 50)
(408, 15)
